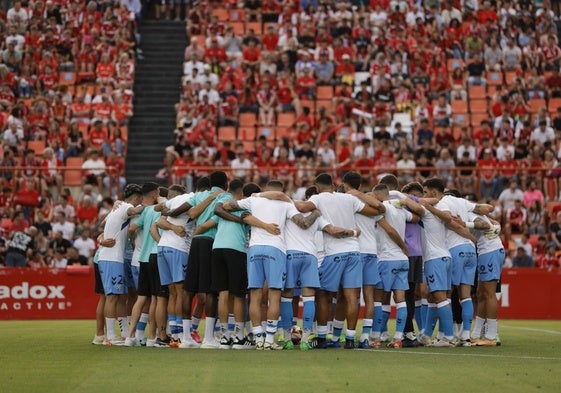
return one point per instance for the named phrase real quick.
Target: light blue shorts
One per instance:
(438, 273)
(301, 270)
(343, 269)
(171, 265)
(370, 273)
(113, 277)
(394, 274)
(489, 265)
(266, 263)
(464, 263)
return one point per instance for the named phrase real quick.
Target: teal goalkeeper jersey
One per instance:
(230, 234)
(208, 213)
(149, 246)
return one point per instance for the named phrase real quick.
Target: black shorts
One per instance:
(98, 283)
(199, 272)
(149, 279)
(416, 270)
(229, 271)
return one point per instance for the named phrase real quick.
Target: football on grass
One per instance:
(296, 334)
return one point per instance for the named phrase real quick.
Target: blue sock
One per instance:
(467, 313)
(378, 317)
(195, 323)
(418, 317)
(231, 322)
(430, 321)
(217, 326)
(142, 322)
(179, 324)
(171, 322)
(424, 310)
(337, 329)
(386, 316)
(308, 312)
(445, 319)
(286, 313)
(400, 317)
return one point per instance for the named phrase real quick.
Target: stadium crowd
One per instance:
(467, 91)
(66, 76)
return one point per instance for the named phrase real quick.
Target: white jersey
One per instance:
(485, 245)
(320, 246)
(299, 239)
(388, 250)
(137, 247)
(457, 207)
(272, 212)
(339, 209)
(433, 236)
(170, 238)
(116, 227)
(367, 239)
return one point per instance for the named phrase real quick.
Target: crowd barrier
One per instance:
(68, 294)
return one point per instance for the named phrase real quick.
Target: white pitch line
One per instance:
(531, 329)
(477, 355)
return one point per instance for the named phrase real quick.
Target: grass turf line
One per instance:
(56, 356)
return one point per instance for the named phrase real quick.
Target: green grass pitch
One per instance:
(57, 356)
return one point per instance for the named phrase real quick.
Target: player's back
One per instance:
(434, 237)
(388, 250)
(457, 207)
(116, 226)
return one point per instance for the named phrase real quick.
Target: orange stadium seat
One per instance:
(222, 14)
(73, 177)
(459, 106)
(237, 15)
(494, 78)
(477, 118)
(246, 133)
(452, 64)
(37, 146)
(67, 78)
(226, 133)
(509, 77)
(256, 26)
(535, 105)
(283, 132)
(309, 103)
(460, 119)
(247, 119)
(238, 27)
(327, 104)
(286, 119)
(477, 92)
(478, 106)
(268, 132)
(324, 92)
(554, 103)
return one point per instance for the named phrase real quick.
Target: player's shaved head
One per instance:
(352, 179)
(390, 181)
(275, 185)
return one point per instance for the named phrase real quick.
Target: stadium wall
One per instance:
(68, 294)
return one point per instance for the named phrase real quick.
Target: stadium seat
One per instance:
(37, 146)
(247, 119)
(256, 26)
(327, 104)
(286, 119)
(67, 78)
(324, 92)
(460, 119)
(268, 132)
(535, 105)
(477, 118)
(222, 14)
(237, 15)
(452, 64)
(478, 106)
(554, 103)
(509, 77)
(494, 78)
(246, 133)
(226, 133)
(477, 92)
(459, 106)
(283, 132)
(308, 103)
(73, 177)
(238, 28)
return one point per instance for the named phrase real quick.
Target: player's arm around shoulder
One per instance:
(392, 233)
(205, 226)
(373, 206)
(165, 225)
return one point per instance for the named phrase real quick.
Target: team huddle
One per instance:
(250, 256)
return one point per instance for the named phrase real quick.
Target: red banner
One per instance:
(529, 293)
(45, 293)
(68, 293)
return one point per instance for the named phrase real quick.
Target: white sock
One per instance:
(238, 330)
(110, 324)
(187, 329)
(368, 324)
(123, 325)
(491, 333)
(477, 329)
(247, 327)
(329, 327)
(209, 328)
